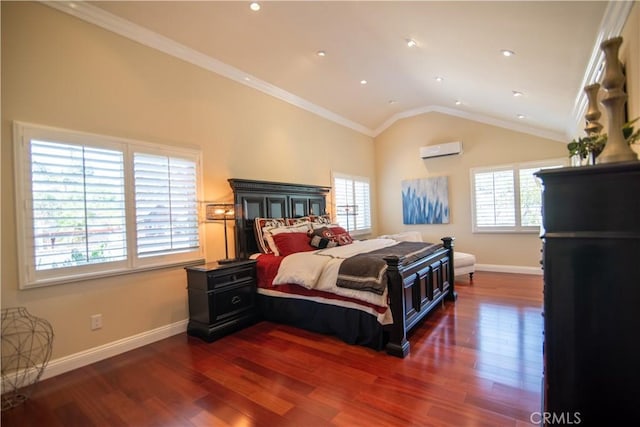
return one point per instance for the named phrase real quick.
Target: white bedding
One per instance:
(319, 269)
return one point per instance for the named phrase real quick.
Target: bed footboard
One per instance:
(416, 289)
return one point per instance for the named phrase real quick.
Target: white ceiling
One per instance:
(275, 48)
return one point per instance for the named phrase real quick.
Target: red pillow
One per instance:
(290, 243)
(341, 235)
(336, 229)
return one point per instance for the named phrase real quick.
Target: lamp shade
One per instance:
(219, 211)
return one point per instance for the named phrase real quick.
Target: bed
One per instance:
(416, 281)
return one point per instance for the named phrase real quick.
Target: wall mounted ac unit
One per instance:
(439, 150)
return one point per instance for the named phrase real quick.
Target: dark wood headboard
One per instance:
(267, 199)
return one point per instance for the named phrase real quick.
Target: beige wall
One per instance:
(397, 159)
(60, 71)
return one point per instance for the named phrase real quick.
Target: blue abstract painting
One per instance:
(425, 201)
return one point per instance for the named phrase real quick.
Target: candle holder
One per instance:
(617, 148)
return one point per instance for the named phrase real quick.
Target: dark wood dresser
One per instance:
(222, 298)
(591, 260)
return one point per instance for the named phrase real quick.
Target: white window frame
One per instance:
(29, 277)
(515, 168)
(365, 211)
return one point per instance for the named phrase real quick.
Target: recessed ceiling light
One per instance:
(506, 52)
(439, 79)
(363, 82)
(392, 101)
(516, 93)
(411, 43)
(521, 116)
(255, 6)
(321, 53)
(458, 102)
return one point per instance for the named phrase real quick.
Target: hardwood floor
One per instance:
(477, 362)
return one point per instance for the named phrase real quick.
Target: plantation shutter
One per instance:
(508, 198)
(530, 198)
(166, 204)
(341, 197)
(362, 200)
(78, 205)
(352, 201)
(494, 198)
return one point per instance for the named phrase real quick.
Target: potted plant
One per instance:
(585, 149)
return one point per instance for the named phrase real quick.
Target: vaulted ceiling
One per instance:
(415, 56)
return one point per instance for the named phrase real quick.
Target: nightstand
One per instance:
(222, 298)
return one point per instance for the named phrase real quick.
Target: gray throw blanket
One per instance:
(367, 272)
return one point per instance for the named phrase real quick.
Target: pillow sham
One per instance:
(270, 232)
(258, 229)
(300, 220)
(320, 219)
(291, 243)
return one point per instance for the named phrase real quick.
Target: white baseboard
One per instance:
(87, 357)
(518, 269)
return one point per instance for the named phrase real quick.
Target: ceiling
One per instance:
(275, 50)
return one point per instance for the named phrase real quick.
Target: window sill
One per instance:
(100, 275)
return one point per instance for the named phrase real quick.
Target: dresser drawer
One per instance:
(220, 279)
(232, 300)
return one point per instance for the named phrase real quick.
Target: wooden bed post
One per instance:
(448, 243)
(397, 345)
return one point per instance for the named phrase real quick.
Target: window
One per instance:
(91, 205)
(508, 198)
(352, 203)
(166, 204)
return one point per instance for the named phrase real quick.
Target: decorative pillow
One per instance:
(302, 227)
(322, 238)
(291, 243)
(320, 219)
(324, 232)
(341, 235)
(344, 239)
(270, 232)
(295, 221)
(337, 229)
(259, 225)
(315, 225)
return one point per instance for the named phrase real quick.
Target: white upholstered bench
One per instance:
(464, 263)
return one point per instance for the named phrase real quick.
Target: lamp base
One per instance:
(227, 260)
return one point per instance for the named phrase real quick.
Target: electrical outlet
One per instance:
(96, 322)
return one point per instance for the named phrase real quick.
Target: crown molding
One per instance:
(543, 133)
(612, 24)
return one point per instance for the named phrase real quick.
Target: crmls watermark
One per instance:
(555, 418)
